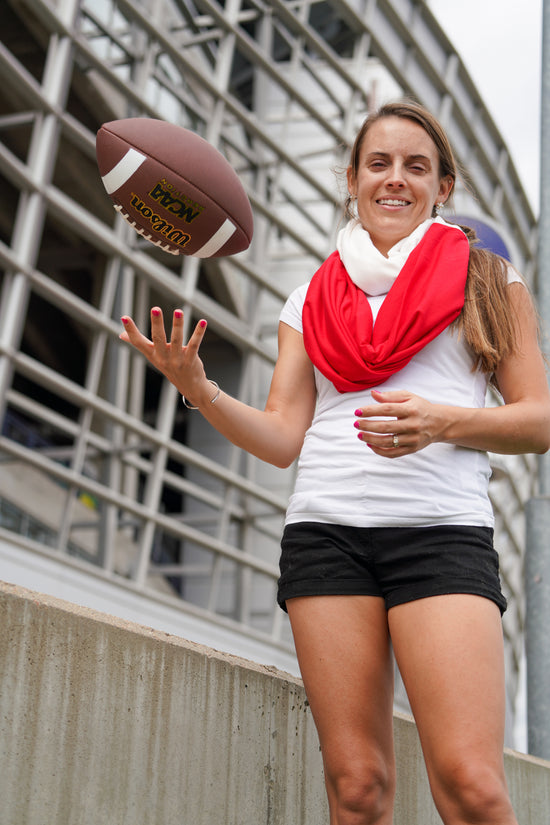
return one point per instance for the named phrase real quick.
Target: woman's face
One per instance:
(397, 181)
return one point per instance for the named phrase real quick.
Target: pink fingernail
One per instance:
(360, 436)
(125, 320)
(178, 313)
(357, 424)
(202, 324)
(358, 413)
(155, 312)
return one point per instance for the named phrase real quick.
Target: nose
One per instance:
(395, 177)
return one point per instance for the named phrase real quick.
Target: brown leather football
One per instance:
(174, 188)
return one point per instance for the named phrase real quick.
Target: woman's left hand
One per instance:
(520, 425)
(399, 423)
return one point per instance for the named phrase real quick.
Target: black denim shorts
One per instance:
(400, 564)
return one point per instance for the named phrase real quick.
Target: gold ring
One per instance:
(396, 441)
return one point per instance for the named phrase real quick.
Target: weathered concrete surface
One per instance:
(104, 722)
(108, 723)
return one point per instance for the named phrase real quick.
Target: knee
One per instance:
(476, 792)
(364, 793)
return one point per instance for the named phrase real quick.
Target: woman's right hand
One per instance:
(274, 434)
(178, 362)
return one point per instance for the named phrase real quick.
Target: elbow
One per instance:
(542, 447)
(277, 457)
(285, 454)
(542, 441)
(282, 459)
(540, 431)
(283, 462)
(285, 458)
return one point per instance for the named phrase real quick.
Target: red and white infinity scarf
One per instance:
(427, 295)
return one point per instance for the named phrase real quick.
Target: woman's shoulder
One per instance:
(298, 295)
(291, 313)
(513, 275)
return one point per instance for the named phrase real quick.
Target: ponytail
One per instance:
(488, 319)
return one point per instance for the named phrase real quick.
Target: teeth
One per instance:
(391, 202)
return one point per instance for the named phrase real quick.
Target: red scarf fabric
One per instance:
(428, 294)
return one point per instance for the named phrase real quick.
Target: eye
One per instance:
(418, 168)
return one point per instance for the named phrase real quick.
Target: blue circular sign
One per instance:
(488, 235)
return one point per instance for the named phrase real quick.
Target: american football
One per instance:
(174, 188)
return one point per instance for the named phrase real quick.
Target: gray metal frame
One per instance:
(280, 89)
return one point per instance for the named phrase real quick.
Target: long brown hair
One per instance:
(487, 320)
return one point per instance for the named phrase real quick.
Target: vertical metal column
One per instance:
(538, 509)
(169, 398)
(29, 221)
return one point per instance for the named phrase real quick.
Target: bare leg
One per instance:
(343, 649)
(450, 653)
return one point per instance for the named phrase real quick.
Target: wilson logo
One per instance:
(159, 224)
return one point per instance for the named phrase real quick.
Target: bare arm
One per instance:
(521, 425)
(274, 434)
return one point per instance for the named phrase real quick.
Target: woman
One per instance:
(388, 535)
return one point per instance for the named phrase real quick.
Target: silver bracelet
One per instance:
(212, 400)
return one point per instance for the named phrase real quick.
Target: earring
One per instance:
(439, 207)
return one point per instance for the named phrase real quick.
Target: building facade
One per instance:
(112, 493)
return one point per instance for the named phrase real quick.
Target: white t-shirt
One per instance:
(342, 481)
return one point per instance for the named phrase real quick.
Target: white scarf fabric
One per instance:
(367, 267)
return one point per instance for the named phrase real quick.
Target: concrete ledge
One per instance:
(104, 722)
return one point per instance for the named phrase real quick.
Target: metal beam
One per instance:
(538, 509)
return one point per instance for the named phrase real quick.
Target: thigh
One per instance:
(344, 653)
(449, 650)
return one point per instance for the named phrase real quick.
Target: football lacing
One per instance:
(143, 232)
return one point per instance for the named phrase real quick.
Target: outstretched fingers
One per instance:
(132, 335)
(179, 362)
(180, 353)
(176, 335)
(154, 348)
(158, 333)
(196, 338)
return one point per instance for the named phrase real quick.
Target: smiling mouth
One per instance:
(392, 202)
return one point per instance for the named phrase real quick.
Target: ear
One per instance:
(351, 182)
(445, 188)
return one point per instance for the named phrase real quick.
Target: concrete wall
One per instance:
(104, 722)
(44, 569)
